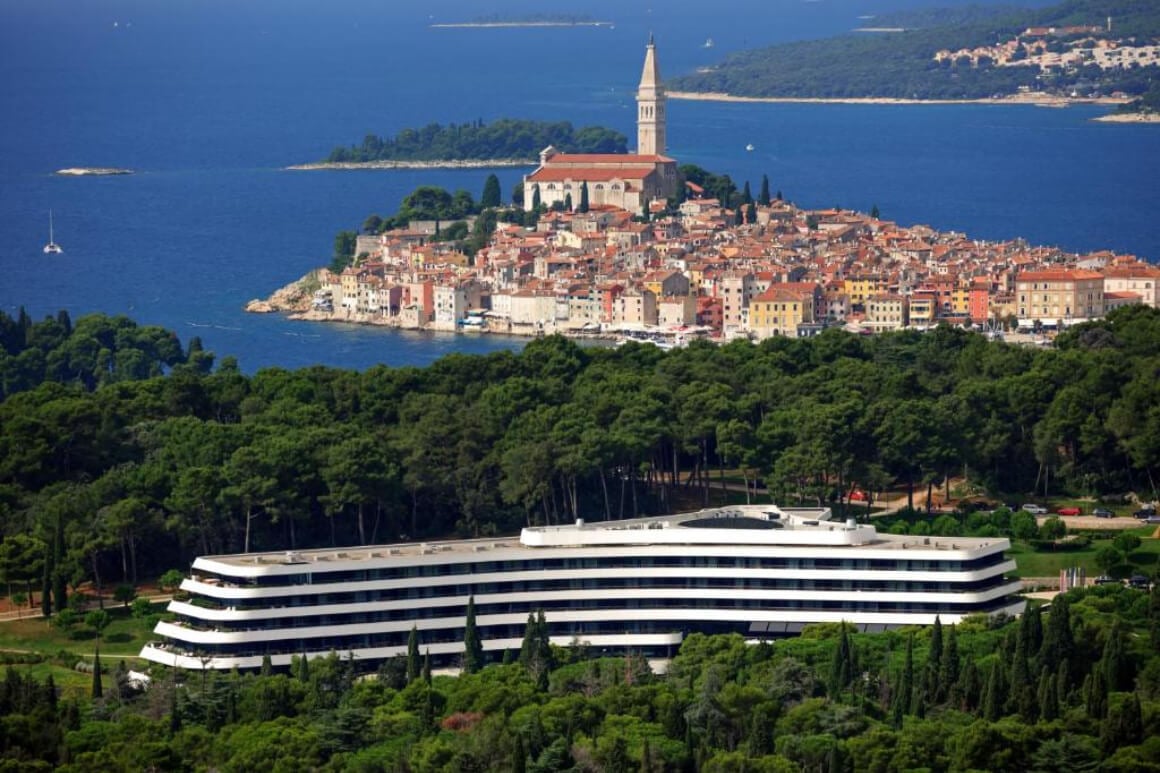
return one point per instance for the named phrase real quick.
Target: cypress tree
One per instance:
(994, 697)
(1048, 701)
(414, 664)
(567, 202)
(536, 203)
(763, 197)
(491, 196)
(472, 646)
(1058, 643)
(98, 689)
(934, 662)
(904, 694)
(746, 196)
(583, 197)
(1096, 694)
(948, 677)
(528, 646)
(969, 687)
(1154, 616)
(874, 212)
(1117, 666)
(267, 668)
(751, 213)
(427, 666)
(174, 713)
(645, 757)
(841, 666)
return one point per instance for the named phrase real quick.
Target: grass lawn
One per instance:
(1032, 563)
(123, 638)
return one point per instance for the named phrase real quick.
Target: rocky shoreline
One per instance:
(462, 163)
(1129, 118)
(1033, 98)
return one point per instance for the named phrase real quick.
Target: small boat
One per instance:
(708, 43)
(749, 147)
(52, 248)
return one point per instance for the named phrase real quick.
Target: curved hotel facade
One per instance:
(636, 585)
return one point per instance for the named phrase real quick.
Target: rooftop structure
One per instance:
(636, 585)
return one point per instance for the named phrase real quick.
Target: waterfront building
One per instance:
(636, 586)
(626, 181)
(1058, 297)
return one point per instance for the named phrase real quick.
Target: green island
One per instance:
(503, 139)
(528, 20)
(1064, 51)
(124, 454)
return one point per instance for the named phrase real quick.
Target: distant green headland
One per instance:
(507, 139)
(1076, 49)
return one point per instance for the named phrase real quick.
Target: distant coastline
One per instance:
(503, 24)
(1034, 98)
(1129, 118)
(92, 171)
(461, 163)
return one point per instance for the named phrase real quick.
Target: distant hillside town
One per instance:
(1058, 49)
(614, 257)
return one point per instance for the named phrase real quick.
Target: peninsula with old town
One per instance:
(636, 246)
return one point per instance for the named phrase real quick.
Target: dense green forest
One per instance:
(1074, 688)
(503, 139)
(111, 473)
(901, 65)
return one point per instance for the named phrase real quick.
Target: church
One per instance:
(628, 181)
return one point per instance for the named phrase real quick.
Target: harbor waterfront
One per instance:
(636, 586)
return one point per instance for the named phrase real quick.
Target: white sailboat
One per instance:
(52, 248)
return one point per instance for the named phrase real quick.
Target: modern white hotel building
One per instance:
(637, 585)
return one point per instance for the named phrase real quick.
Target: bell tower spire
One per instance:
(650, 110)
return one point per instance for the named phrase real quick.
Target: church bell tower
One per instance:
(650, 110)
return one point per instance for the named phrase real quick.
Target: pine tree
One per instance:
(763, 196)
(472, 645)
(414, 664)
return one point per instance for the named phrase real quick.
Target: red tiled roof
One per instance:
(597, 174)
(582, 159)
(1058, 275)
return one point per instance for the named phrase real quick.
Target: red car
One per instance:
(1070, 511)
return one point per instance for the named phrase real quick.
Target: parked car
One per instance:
(1103, 512)
(1035, 509)
(1105, 580)
(1138, 581)
(1144, 512)
(1070, 511)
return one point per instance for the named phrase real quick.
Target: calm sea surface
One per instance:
(208, 99)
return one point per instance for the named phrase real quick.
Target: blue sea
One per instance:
(207, 100)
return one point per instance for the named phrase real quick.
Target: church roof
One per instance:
(585, 159)
(593, 174)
